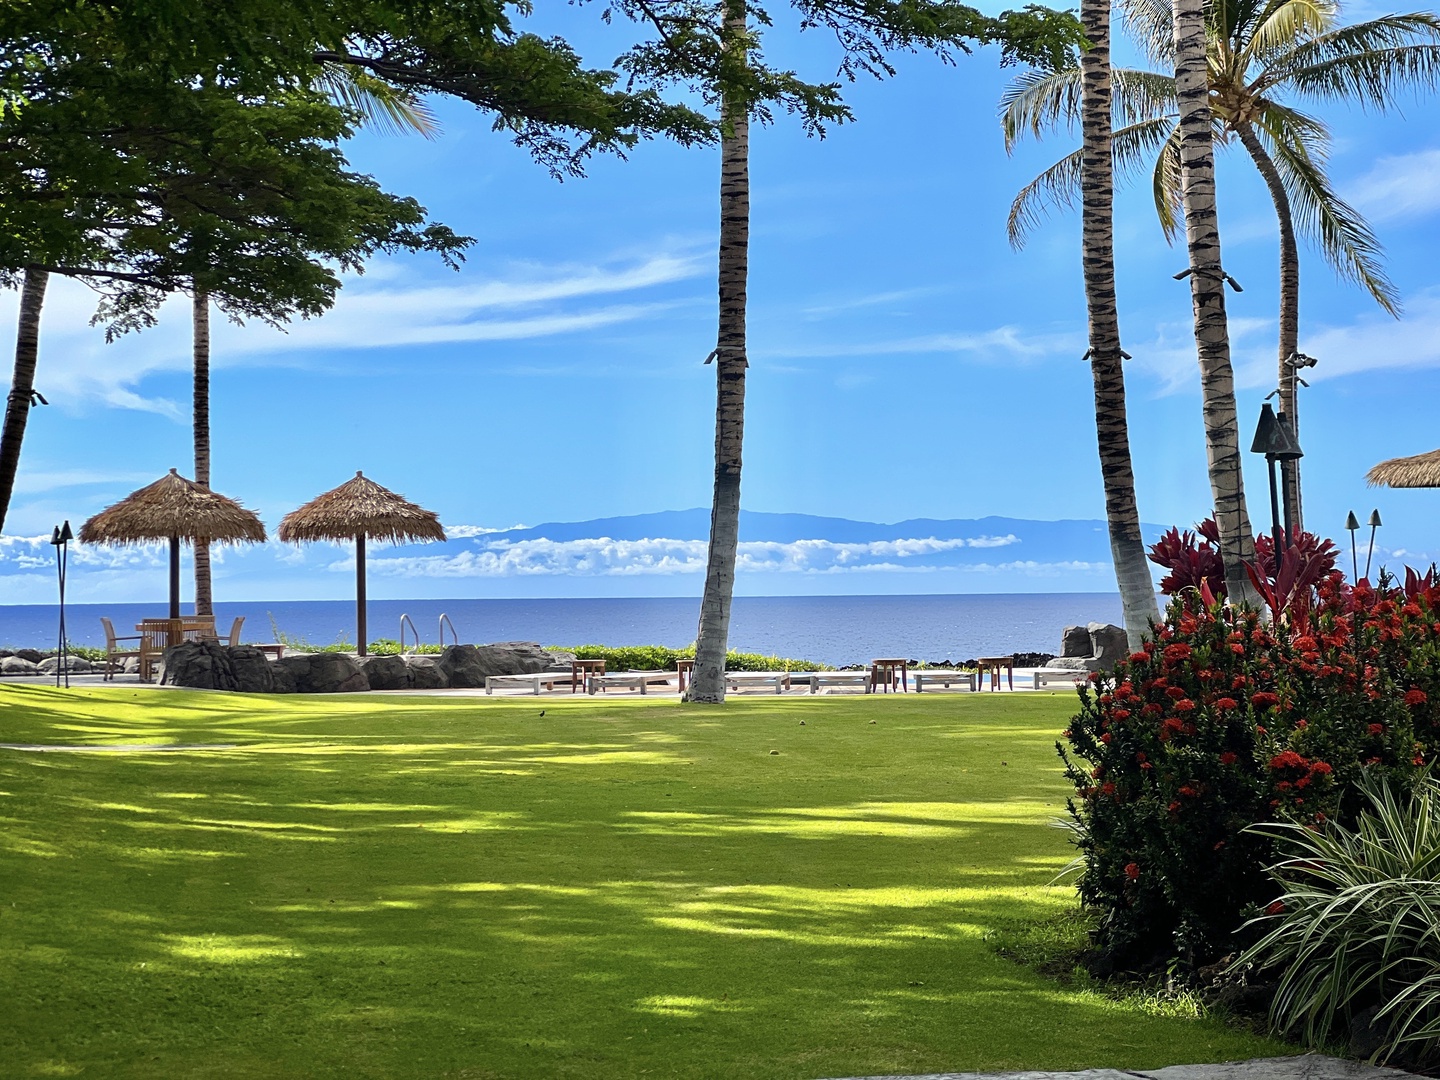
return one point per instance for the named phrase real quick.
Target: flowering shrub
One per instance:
(1223, 721)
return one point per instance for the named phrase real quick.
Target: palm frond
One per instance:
(1369, 62)
(1142, 95)
(1166, 186)
(1151, 24)
(1337, 229)
(389, 109)
(1036, 100)
(1058, 187)
(1284, 22)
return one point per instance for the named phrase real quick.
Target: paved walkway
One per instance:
(1303, 1067)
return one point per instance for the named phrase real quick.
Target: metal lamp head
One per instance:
(1351, 521)
(1264, 430)
(1375, 521)
(65, 534)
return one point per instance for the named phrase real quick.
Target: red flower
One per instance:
(1132, 871)
(1227, 758)
(1377, 729)
(1175, 693)
(1264, 699)
(1174, 806)
(1139, 657)
(1289, 759)
(1415, 697)
(1321, 768)
(1225, 704)
(1122, 714)
(1188, 791)
(1178, 651)
(1184, 705)
(1105, 738)
(1275, 908)
(1107, 788)
(1238, 650)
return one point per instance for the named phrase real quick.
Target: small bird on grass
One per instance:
(542, 712)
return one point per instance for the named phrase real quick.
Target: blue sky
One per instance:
(906, 363)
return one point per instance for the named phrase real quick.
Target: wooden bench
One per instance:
(547, 679)
(1042, 678)
(944, 677)
(736, 680)
(632, 680)
(842, 678)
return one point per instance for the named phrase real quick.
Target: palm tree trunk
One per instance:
(1127, 546)
(1207, 295)
(201, 311)
(1289, 306)
(708, 679)
(22, 386)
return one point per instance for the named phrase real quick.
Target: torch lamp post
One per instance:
(1277, 442)
(1374, 524)
(61, 538)
(1352, 523)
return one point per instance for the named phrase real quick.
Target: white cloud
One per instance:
(1005, 341)
(31, 481)
(465, 532)
(603, 556)
(77, 367)
(1400, 186)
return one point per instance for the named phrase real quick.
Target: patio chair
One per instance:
(154, 639)
(113, 651)
(232, 638)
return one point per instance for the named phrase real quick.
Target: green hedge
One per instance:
(659, 658)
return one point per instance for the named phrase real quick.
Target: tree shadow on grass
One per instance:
(614, 894)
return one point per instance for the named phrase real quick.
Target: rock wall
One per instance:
(207, 665)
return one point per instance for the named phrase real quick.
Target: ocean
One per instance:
(834, 630)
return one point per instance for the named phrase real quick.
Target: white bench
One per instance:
(632, 680)
(735, 680)
(944, 677)
(1043, 677)
(547, 679)
(842, 678)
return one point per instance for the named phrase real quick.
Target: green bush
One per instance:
(1355, 933)
(1222, 722)
(659, 658)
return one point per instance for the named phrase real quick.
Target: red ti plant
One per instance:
(1308, 561)
(1193, 559)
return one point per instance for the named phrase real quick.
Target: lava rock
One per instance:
(426, 673)
(469, 665)
(1108, 644)
(386, 672)
(18, 665)
(323, 673)
(251, 669)
(33, 655)
(76, 665)
(1075, 641)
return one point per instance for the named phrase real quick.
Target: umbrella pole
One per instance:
(174, 577)
(360, 592)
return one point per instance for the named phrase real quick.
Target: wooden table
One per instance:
(890, 672)
(581, 670)
(994, 665)
(684, 668)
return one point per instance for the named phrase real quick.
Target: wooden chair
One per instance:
(232, 638)
(155, 637)
(113, 652)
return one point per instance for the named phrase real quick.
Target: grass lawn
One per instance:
(413, 887)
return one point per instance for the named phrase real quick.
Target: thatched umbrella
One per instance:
(1420, 471)
(357, 509)
(175, 509)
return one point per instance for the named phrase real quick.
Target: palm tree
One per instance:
(22, 386)
(390, 109)
(1127, 546)
(1260, 52)
(708, 678)
(200, 313)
